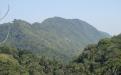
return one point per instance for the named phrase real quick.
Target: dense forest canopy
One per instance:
(103, 58)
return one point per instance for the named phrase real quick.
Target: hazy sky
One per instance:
(105, 15)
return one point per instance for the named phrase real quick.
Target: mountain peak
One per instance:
(54, 19)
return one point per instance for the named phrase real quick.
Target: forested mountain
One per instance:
(54, 37)
(103, 58)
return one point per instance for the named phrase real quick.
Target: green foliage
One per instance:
(9, 65)
(26, 63)
(103, 58)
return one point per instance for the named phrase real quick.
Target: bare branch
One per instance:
(9, 27)
(5, 13)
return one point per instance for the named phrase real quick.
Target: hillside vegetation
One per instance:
(55, 37)
(103, 58)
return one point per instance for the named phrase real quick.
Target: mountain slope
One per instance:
(55, 37)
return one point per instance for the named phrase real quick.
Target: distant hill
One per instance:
(55, 37)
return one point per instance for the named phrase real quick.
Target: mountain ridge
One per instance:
(54, 37)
